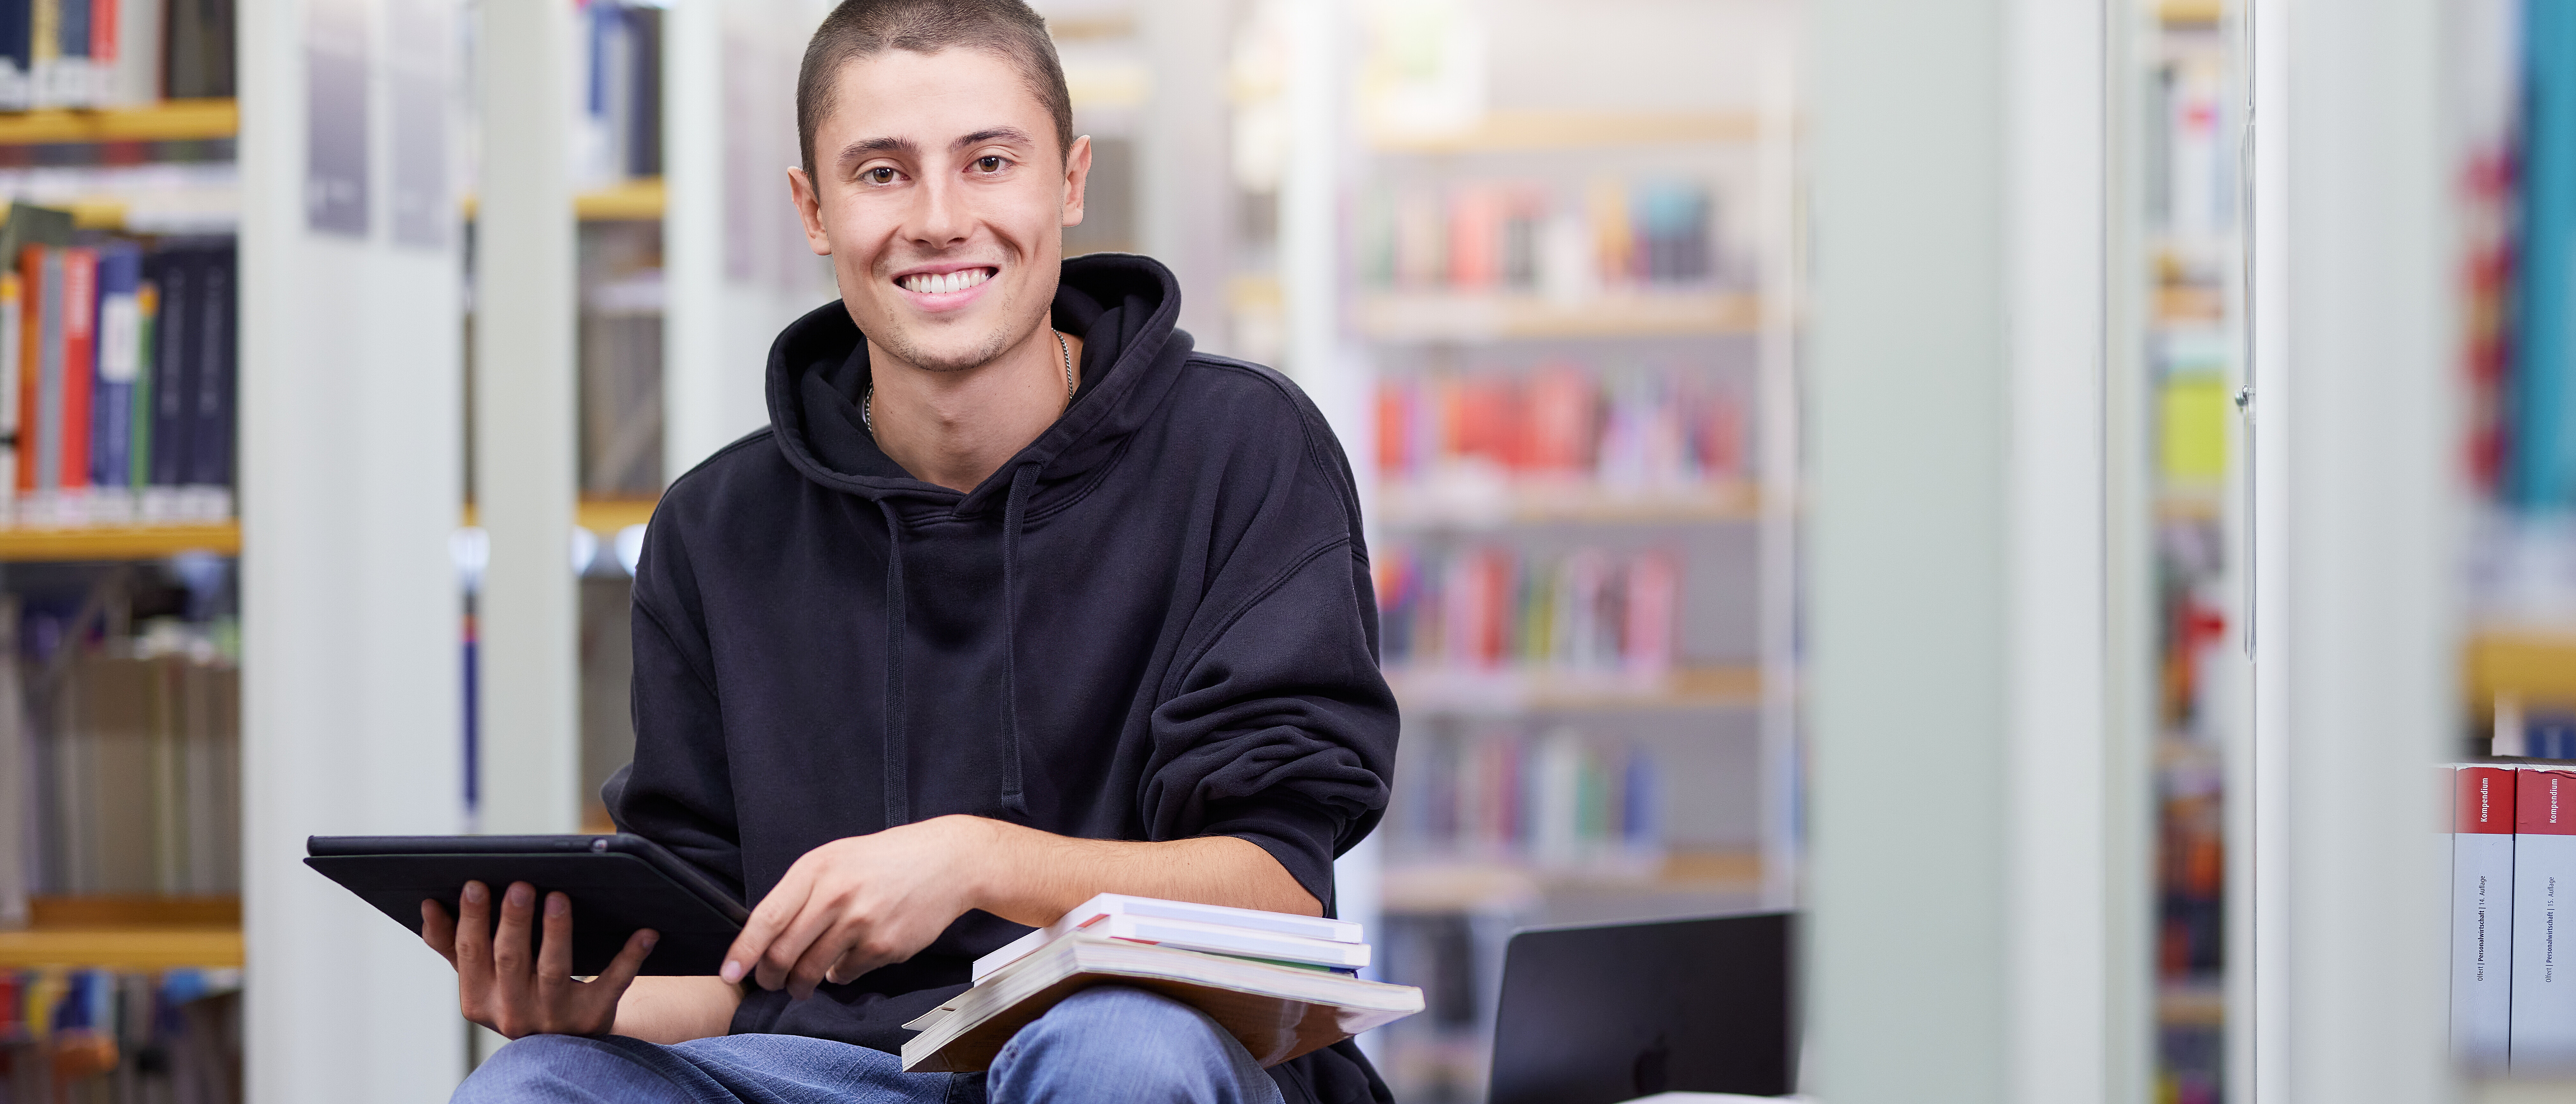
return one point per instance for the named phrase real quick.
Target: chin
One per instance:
(946, 352)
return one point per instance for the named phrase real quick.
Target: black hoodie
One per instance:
(1154, 623)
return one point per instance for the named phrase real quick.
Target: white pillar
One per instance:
(1977, 832)
(2356, 525)
(350, 468)
(524, 464)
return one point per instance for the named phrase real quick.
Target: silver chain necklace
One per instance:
(867, 405)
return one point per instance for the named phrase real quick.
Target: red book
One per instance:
(80, 349)
(2544, 885)
(1394, 428)
(1559, 415)
(31, 296)
(2482, 915)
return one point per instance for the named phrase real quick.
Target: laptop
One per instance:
(1604, 1013)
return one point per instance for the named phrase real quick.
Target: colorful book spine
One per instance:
(47, 302)
(210, 437)
(80, 363)
(119, 330)
(174, 380)
(139, 408)
(2543, 1029)
(12, 326)
(2482, 857)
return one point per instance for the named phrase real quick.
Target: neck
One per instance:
(955, 429)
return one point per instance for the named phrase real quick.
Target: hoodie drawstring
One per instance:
(898, 787)
(1014, 512)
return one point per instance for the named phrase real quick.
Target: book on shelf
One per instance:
(1560, 801)
(121, 1037)
(121, 383)
(1519, 235)
(620, 55)
(1624, 432)
(2482, 915)
(1495, 608)
(2543, 1029)
(113, 53)
(130, 757)
(1277, 1008)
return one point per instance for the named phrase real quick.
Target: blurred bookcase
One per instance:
(121, 943)
(2188, 96)
(1565, 297)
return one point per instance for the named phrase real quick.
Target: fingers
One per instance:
(474, 950)
(554, 952)
(829, 947)
(816, 928)
(612, 983)
(513, 961)
(775, 912)
(438, 930)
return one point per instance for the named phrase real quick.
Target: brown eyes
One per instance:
(988, 164)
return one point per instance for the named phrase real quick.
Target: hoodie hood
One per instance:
(1123, 306)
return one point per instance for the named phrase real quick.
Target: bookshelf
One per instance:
(167, 121)
(1585, 417)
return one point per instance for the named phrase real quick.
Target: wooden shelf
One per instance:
(602, 516)
(2537, 667)
(1434, 505)
(167, 121)
(2187, 12)
(1505, 131)
(1509, 692)
(1443, 316)
(122, 948)
(639, 200)
(632, 201)
(118, 542)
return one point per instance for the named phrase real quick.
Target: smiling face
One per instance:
(941, 198)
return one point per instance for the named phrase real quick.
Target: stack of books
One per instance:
(1283, 984)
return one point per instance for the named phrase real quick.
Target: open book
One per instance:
(1277, 1011)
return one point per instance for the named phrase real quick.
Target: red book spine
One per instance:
(31, 296)
(80, 346)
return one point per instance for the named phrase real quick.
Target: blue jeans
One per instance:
(1106, 1043)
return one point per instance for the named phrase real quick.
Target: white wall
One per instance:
(350, 473)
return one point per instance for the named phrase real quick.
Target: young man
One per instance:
(1018, 600)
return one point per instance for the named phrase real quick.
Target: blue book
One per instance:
(118, 363)
(174, 361)
(2541, 473)
(210, 432)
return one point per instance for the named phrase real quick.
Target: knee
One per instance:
(534, 1068)
(1128, 1044)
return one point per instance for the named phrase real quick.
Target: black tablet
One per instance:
(618, 883)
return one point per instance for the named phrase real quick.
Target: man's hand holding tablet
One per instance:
(517, 986)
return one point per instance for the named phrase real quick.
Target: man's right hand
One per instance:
(503, 986)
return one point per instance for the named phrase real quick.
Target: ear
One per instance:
(809, 208)
(1077, 179)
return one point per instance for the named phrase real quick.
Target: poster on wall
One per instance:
(335, 112)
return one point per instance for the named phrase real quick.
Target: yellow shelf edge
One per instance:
(1419, 316)
(118, 542)
(640, 200)
(122, 948)
(168, 121)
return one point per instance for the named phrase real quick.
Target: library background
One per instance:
(339, 375)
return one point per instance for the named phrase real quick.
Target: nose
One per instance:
(938, 218)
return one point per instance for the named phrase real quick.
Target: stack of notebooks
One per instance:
(1283, 984)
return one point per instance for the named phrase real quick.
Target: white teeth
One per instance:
(941, 283)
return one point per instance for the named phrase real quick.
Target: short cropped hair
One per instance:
(865, 28)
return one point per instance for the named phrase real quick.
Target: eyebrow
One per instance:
(866, 146)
